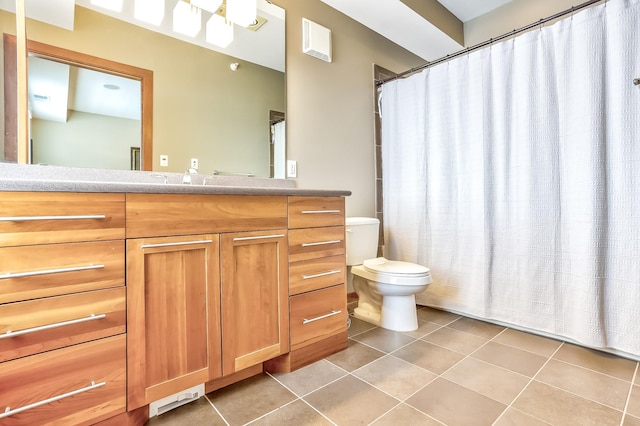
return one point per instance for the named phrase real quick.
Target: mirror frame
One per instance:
(58, 54)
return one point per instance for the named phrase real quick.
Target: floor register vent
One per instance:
(170, 402)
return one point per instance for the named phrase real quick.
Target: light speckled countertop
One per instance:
(14, 177)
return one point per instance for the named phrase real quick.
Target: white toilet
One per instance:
(386, 289)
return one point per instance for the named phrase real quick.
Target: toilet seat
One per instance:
(393, 272)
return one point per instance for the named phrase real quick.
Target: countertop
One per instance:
(14, 177)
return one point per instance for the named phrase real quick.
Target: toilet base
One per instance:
(368, 316)
(399, 313)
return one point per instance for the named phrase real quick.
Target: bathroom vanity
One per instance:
(115, 295)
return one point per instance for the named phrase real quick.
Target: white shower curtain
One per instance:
(513, 173)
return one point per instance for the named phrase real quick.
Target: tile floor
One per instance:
(453, 370)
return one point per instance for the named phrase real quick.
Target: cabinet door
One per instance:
(255, 315)
(173, 307)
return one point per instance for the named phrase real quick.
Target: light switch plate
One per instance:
(164, 161)
(292, 168)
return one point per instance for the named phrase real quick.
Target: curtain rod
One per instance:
(488, 42)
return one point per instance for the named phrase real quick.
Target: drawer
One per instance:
(30, 272)
(156, 215)
(312, 243)
(305, 212)
(308, 275)
(87, 383)
(55, 322)
(54, 217)
(317, 315)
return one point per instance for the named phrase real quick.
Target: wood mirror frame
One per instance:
(144, 76)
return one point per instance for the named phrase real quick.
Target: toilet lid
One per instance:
(394, 267)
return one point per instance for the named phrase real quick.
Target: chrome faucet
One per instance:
(186, 179)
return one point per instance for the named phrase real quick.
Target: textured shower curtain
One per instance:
(514, 174)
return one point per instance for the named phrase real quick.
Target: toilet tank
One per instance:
(362, 239)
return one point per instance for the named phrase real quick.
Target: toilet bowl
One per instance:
(386, 289)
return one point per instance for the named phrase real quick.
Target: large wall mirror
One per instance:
(214, 104)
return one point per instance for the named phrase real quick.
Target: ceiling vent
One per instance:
(316, 40)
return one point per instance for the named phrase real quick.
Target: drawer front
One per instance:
(308, 275)
(31, 272)
(54, 217)
(87, 383)
(306, 212)
(313, 243)
(153, 215)
(317, 315)
(41, 325)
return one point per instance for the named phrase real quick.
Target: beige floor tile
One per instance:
(198, 412)
(559, 407)
(424, 328)
(513, 359)
(586, 383)
(350, 401)
(403, 415)
(513, 417)
(453, 404)
(455, 340)
(631, 421)
(296, 413)
(479, 328)
(429, 356)
(637, 379)
(487, 379)
(599, 361)
(355, 356)
(634, 402)
(384, 340)
(394, 376)
(437, 316)
(358, 326)
(528, 342)
(249, 399)
(311, 377)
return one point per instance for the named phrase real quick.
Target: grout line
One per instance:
(626, 404)
(216, 409)
(272, 411)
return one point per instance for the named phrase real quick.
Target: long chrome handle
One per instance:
(323, 274)
(180, 243)
(49, 271)
(30, 218)
(330, 314)
(320, 243)
(9, 412)
(50, 326)
(258, 238)
(320, 211)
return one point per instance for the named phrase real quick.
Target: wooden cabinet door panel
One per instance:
(254, 298)
(173, 304)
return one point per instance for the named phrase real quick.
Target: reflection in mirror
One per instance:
(203, 107)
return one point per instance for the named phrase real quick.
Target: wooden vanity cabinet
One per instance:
(317, 277)
(62, 304)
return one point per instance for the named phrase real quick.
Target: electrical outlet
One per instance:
(194, 163)
(292, 168)
(164, 161)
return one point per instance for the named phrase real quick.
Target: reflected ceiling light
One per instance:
(208, 5)
(219, 31)
(115, 5)
(187, 19)
(150, 11)
(241, 12)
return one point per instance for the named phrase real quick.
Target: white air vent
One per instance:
(176, 400)
(316, 40)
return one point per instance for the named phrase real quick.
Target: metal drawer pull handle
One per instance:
(9, 412)
(29, 218)
(330, 314)
(321, 243)
(258, 238)
(49, 271)
(182, 243)
(320, 211)
(50, 326)
(323, 274)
